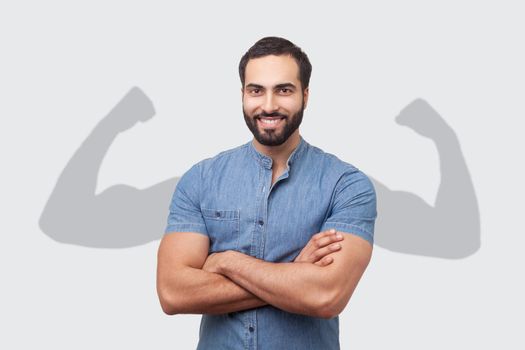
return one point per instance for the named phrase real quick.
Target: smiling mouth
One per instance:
(269, 122)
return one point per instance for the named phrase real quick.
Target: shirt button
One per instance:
(251, 329)
(217, 214)
(261, 222)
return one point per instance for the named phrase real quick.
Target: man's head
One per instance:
(275, 75)
(278, 47)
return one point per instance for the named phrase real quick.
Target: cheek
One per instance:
(290, 104)
(250, 105)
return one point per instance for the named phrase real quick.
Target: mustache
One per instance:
(269, 115)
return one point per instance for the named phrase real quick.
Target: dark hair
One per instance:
(272, 45)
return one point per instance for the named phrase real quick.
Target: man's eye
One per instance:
(255, 91)
(285, 90)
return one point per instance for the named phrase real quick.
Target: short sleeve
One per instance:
(185, 214)
(353, 208)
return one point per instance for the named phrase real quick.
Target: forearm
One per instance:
(195, 291)
(294, 287)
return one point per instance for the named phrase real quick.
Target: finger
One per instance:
(328, 239)
(322, 252)
(317, 241)
(327, 260)
(323, 234)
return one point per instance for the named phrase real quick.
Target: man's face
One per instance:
(273, 99)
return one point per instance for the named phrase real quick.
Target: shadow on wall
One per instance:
(123, 216)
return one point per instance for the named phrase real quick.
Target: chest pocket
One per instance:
(223, 229)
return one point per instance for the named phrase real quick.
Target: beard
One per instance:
(271, 137)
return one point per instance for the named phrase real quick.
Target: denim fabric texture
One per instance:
(230, 199)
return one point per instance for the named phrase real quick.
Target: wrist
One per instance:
(226, 261)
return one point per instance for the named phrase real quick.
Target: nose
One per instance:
(270, 103)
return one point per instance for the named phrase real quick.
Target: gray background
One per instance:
(425, 98)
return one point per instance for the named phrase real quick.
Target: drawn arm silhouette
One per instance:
(448, 229)
(121, 216)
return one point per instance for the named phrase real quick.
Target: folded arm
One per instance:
(183, 286)
(190, 281)
(300, 288)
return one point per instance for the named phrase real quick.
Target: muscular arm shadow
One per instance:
(451, 227)
(121, 216)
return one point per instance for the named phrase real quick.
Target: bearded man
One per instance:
(270, 239)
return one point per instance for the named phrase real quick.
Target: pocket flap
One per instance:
(220, 214)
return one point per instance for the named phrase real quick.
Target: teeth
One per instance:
(270, 121)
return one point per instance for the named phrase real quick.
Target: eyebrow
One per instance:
(255, 86)
(285, 85)
(278, 86)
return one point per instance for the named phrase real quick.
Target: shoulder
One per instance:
(227, 157)
(330, 162)
(346, 175)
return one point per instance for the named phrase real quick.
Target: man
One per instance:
(268, 240)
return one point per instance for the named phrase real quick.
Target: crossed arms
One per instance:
(318, 283)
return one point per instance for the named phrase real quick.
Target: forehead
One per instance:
(271, 70)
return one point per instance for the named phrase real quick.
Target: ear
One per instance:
(306, 93)
(242, 93)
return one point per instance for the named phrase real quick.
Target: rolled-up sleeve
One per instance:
(184, 210)
(353, 208)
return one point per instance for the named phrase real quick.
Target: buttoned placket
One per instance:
(257, 242)
(261, 222)
(257, 246)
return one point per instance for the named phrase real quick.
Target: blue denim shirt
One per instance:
(230, 198)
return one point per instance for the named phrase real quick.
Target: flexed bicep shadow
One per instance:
(123, 216)
(450, 228)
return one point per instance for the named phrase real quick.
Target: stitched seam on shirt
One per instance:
(362, 217)
(200, 187)
(236, 216)
(332, 198)
(349, 225)
(186, 224)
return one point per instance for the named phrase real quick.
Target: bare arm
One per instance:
(300, 288)
(183, 287)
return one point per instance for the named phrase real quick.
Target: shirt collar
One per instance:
(266, 161)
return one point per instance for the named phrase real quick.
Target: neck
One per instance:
(281, 153)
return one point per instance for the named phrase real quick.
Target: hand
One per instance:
(318, 249)
(212, 263)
